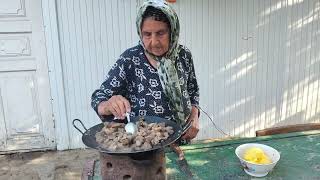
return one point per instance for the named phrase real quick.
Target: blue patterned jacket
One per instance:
(133, 77)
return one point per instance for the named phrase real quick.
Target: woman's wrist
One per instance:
(102, 109)
(195, 112)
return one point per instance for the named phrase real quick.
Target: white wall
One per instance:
(257, 61)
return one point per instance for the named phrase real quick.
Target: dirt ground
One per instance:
(48, 165)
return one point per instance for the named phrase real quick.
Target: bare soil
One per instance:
(48, 165)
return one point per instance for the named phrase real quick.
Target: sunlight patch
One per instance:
(198, 162)
(171, 171)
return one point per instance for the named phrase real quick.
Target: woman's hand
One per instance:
(117, 105)
(194, 129)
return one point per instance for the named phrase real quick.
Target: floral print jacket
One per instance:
(133, 77)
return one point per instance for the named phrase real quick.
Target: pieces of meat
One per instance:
(114, 138)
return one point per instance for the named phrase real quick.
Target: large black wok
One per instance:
(89, 139)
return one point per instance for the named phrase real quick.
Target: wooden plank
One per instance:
(15, 27)
(288, 129)
(55, 73)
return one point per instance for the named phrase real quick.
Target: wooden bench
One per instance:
(288, 129)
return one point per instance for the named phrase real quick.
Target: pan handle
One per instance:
(186, 127)
(77, 127)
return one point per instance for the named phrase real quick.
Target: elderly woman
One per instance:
(154, 78)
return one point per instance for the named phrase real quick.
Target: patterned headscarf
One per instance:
(166, 68)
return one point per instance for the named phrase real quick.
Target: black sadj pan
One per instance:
(89, 136)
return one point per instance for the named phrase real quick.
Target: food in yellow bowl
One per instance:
(256, 155)
(253, 168)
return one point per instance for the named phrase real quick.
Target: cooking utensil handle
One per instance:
(181, 161)
(186, 127)
(77, 127)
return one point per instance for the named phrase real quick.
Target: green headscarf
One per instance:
(166, 64)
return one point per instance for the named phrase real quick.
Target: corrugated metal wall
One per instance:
(257, 61)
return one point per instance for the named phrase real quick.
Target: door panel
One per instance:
(19, 95)
(25, 103)
(12, 8)
(13, 45)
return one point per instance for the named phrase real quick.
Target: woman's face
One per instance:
(155, 36)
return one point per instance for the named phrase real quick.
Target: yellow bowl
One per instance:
(253, 169)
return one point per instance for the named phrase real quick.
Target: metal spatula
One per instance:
(130, 127)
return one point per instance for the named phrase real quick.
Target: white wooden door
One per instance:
(26, 121)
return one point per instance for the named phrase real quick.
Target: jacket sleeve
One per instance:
(114, 84)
